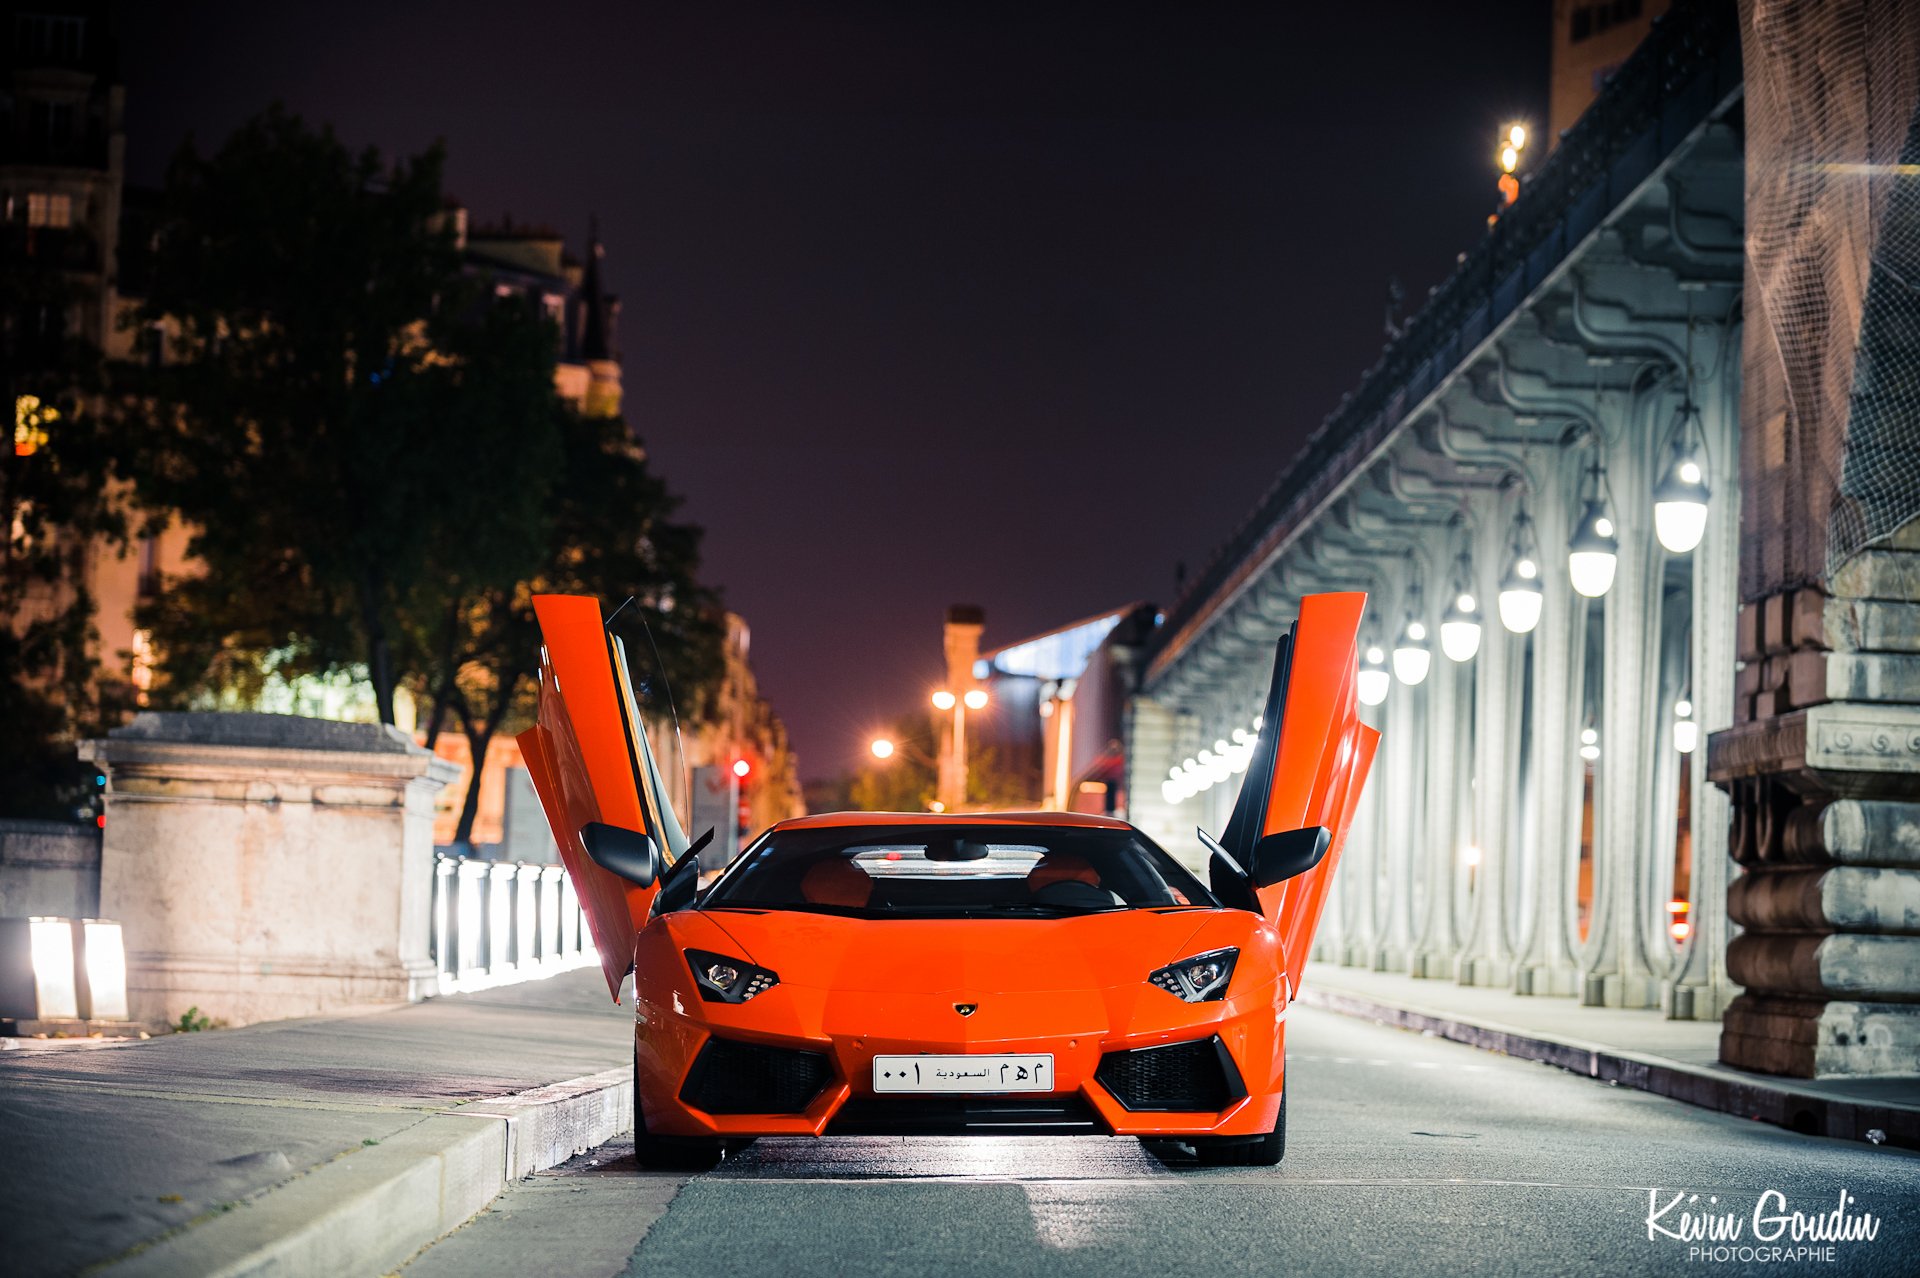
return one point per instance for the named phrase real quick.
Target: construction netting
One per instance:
(1830, 413)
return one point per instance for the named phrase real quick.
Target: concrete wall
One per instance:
(49, 867)
(266, 866)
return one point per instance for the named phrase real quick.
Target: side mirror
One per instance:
(627, 853)
(1279, 857)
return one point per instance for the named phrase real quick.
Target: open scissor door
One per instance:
(590, 761)
(1309, 765)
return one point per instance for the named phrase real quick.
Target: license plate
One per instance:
(963, 1073)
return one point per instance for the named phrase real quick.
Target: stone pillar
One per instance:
(267, 866)
(1823, 759)
(962, 642)
(1825, 778)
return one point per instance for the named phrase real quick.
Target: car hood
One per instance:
(936, 956)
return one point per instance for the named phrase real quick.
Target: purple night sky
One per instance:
(1017, 305)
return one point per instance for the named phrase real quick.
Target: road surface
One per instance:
(1405, 1154)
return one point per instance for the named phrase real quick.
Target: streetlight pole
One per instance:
(952, 790)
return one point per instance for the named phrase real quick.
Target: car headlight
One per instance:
(728, 980)
(1200, 979)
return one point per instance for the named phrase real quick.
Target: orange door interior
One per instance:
(589, 759)
(1311, 762)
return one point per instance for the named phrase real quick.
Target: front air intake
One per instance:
(748, 1078)
(1185, 1078)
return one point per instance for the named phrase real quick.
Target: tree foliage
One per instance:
(334, 409)
(370, 449)
(609, 534)
(55, 511)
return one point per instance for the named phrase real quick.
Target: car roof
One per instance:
(832, 820)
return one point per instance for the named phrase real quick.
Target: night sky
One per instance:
(1014, 305)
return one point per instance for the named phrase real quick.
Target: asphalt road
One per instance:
(1406, 1155)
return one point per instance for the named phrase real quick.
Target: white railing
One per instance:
(497, 922)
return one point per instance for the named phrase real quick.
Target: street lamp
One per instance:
(1594, 550)
(1680, 498)
(882, 748)
(1374, 681)
(1412, 658)
(1520, 595)
(1686, 732)
(1460, 624)
(1680, 501)
(1513, 144)
(953, 759)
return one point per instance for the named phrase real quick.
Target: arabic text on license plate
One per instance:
(963, 1073)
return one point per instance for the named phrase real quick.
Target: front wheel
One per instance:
(681, 1153)
(1262, 1151)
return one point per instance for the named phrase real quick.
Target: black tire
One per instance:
(679, 1153)
(1271, 1148)
(1262, 1151)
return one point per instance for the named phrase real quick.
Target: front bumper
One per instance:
(792, 1063)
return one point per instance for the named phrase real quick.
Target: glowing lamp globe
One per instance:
(1594, 551)
(1460, 628)
(1680, 504)
(1411, 656)
(1374, 681)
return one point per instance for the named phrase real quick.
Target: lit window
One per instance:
(49, 209)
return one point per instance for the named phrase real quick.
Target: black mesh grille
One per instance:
(747, 1078)
(966, 1116)
(1197, 1077)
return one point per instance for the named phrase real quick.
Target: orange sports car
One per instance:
(987, 973)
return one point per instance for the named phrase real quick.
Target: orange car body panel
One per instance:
(852, 988)
(1321, 761)
(579, 760)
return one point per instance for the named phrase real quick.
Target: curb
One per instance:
(1765, 1100)
(371, 1209)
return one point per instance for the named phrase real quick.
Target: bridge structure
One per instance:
(1541, 817)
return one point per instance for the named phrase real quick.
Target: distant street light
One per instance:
(1373, 680)
(1520, 596)
(1411, 656)
(953, 755)
(741, 768)
(1513, 146)
(1460, 624)
(1594, 549)
(1686, 732)
(882, 748)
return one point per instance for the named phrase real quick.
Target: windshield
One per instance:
(957, 871)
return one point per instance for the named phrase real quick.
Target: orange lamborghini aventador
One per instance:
(989, 973)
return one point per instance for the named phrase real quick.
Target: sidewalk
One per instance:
(1639, 1049)
(112, 1149)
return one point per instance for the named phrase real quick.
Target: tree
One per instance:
(905, 781)
(370, 447)
(55, 511)
(609, 534)
(347, 424)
